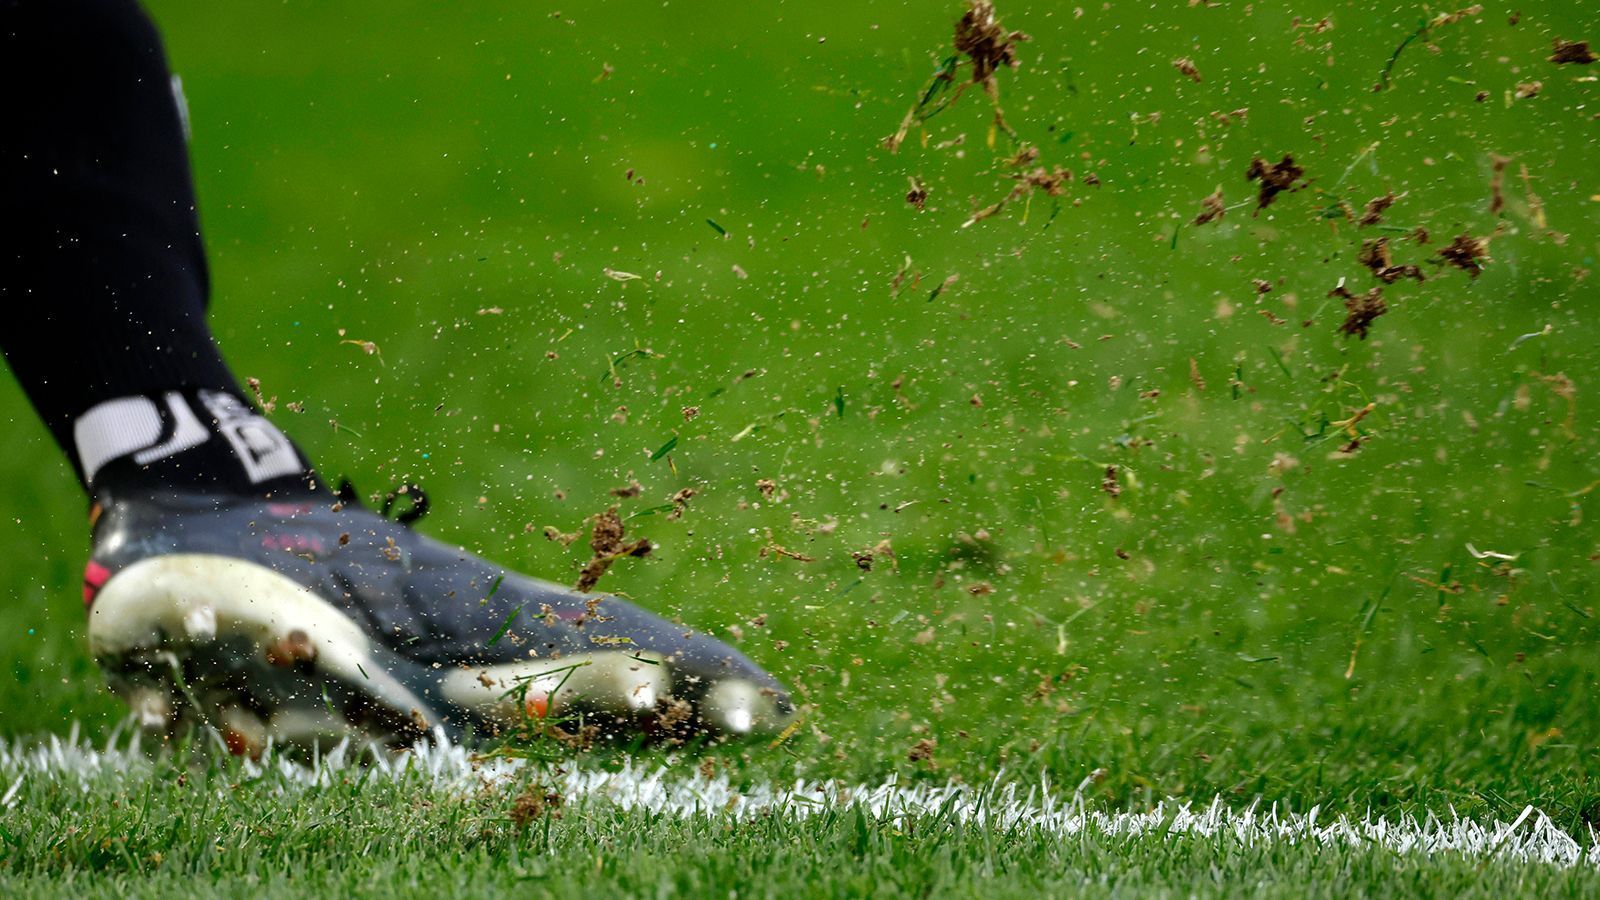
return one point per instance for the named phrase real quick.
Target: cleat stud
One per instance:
(200, 623)
(536, 706)
(739, 707)
(243, 732)
(152, 708)
(294, 647)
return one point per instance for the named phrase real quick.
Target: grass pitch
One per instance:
(1084, 490)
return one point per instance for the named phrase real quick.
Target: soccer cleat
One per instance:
(310, 621)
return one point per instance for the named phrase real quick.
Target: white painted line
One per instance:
(1531, 837)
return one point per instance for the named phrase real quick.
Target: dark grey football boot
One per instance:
(305, 621)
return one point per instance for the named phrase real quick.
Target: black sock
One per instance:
(102, 270)
(199, 438)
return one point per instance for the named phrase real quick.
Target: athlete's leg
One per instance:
(224, 590)
(102, 270)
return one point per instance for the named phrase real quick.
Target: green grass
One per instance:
(1253, 615)
(226, 831)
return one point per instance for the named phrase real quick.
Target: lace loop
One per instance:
(418, 508)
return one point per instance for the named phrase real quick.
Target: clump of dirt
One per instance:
(1275, 178)
(1572, 52)
(981, 38)
(672, 713)
(918, 195)
(988, 47)
(1497, 184)
(1372, 214)
(580, 741)
(1360, 310)
(1110, 483)
(1186, 66)
(1466, 253)
(1052, 182)
(922, 751)
(680, 503)
(564, 538)
(867, 557)
(1211, 208)
(1375, 255)
(534, 804)
(608, 546)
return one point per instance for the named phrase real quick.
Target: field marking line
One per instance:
(1530, 837)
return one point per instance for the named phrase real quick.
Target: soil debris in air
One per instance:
(1110, 483)
(1052, 182)
(918, 195)
(1372, 213)
(1466, 253)
(1275, 178)
(988, 47)
(1211, 208)
(983, 40)
(534, 804)
(1572, 52)
(1360, 310)
(1497, 185)
(1375, 255)
(608, 546)
(680, 503)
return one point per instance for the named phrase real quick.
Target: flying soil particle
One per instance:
(1570, 52)
(1186, 66)
(1275, 178)
(987, 47)
(1497, 184)
(1375, 256)
(1211, 208)
(1110, 484)
(672, 712)
(981, 38)
(918, 195)
(534, 804)
(921, 751)
(1360, 310)
(680, 503)
(1527, 90)
(608, 546)
(1466, 253)
(578, 741)
(1051, 181)
(866, 558)
(1372, 214)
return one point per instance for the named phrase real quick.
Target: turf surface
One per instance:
(1250, 606)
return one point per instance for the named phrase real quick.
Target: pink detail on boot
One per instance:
(94, 576)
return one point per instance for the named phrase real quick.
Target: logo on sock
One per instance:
(137, 427)
(187, 432)
(262, 449)
(134, 425)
